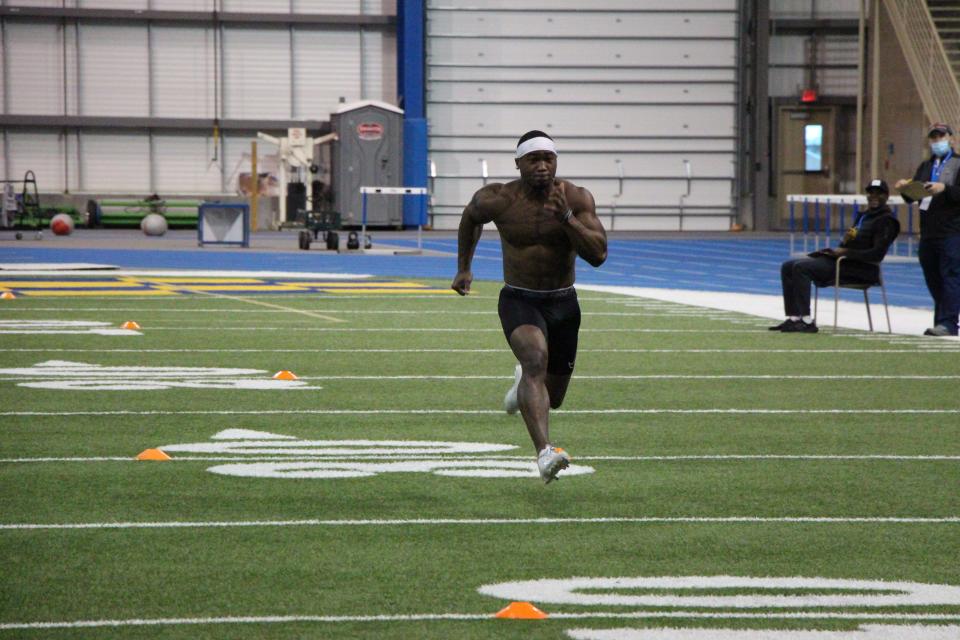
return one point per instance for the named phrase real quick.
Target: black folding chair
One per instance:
(853, 285)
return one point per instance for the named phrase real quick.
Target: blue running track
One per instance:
(742, 265)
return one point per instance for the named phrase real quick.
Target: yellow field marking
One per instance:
(100, 292)
(397, 291)
(189, 281)
(365, 285)
(233, 287)
(261, 303)
(67, 284)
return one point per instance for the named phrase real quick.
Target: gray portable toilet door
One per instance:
(374, 165)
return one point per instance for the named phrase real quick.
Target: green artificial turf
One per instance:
(657, 459)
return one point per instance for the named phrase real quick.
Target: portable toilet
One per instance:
(367, 153)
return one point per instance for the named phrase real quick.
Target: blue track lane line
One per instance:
(741, 265)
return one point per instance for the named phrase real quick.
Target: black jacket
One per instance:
(942, 218)
(877, 229)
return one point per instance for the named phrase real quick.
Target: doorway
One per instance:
(806, 153)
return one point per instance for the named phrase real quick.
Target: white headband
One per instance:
(536, 144)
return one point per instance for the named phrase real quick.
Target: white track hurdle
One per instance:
(394, 191)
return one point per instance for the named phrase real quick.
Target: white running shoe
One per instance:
(510, 403)
(551, 461)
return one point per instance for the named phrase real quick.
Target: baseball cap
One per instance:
(878, 184)
(939, 127)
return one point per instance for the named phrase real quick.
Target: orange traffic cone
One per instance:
(153, 454)
(284, 375)
(7, 295)
(520, 611)
(130, 324)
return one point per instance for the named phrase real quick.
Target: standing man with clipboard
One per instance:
(939, 226)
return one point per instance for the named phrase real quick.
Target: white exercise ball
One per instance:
(154, 224)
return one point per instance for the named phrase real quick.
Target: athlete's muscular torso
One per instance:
(537, 252)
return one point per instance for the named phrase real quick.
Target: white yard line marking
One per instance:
(718, 457)
(655, 377)
(627, 301)
(313, 522)
(480, 412)
(437, 617)
(253, 300)
(458, 330)
(403, 312)
(608, 377)
(933, 349)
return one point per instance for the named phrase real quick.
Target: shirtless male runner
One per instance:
(544, 224)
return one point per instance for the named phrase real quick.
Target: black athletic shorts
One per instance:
(556, 313)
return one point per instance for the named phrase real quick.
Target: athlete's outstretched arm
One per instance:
(475, 215)
(582, 226)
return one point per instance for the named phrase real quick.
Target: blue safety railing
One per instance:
(822, 215)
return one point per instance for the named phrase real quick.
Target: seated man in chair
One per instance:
(864, 246)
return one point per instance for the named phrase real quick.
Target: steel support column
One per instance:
(760, 116)
(411, 83)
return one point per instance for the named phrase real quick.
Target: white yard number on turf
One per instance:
(84, 376)
(866, 632)
(759, 594)
(46, 327)
(345, 458)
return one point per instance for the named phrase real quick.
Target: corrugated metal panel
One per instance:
(327, 67)
(614, 145)
(3, 74)
(372, 71)
(114, 80)
(560, 74)
(236, 158)
(492, 92)
(326, 6)
(586, 165)
(556, 52)
(838, 82)
(113, 70)
(115, 162)
(814, 8)
(653, 88)
(566, 119)
(115, 4)
(39, 3)
(580, 5)
(256, 72)
(258, 6)
(652, 191)
(831, 50)
(182, 72)
(182, 164)
(35, 66)
(39, 151)
(183, 5)
(524, 24)
(787, 82)
(389, 52)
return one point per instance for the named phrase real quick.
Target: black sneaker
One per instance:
(799, 326)
(781, 326)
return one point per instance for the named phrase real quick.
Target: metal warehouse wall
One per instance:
(836, 54)
(118, 68)
(640, 85)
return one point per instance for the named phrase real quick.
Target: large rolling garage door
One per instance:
(640, 96)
